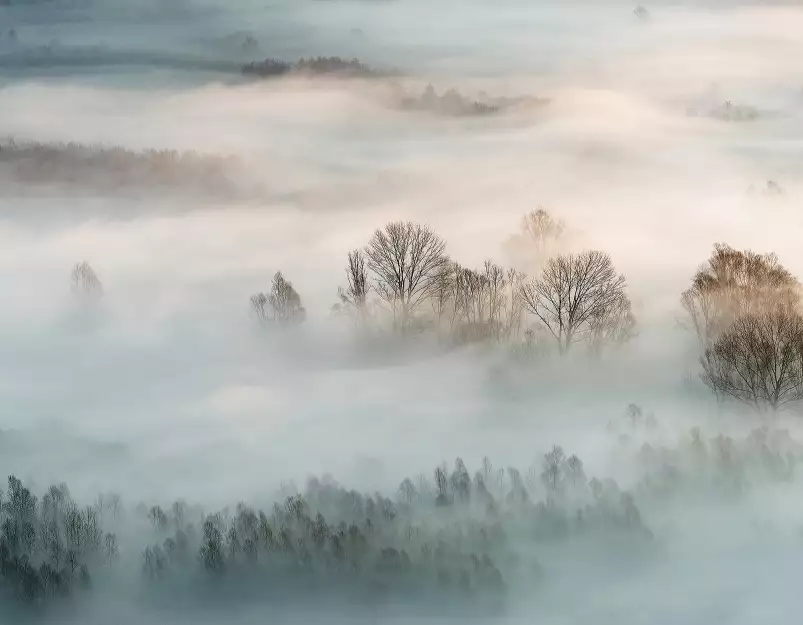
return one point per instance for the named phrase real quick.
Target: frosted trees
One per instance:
(580, 298)
(282, 305)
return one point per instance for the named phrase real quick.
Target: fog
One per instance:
(132, 139)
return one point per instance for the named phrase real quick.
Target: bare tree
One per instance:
(758, 360)
(355, 296)
(282, 305)
(442, 299)
(539, 238)
(406, 260)
(734, 283)
(615, 325)
(574, 471)
(513, 305)
(574, 295)
(471, 305)
(85, 283)
(553, 469)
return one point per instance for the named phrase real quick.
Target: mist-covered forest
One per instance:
(400, 311)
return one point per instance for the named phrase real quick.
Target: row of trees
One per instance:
(743, 308)
(313, 66)
(404, 279)
(449, 538)
(114, 168)
(452, 538)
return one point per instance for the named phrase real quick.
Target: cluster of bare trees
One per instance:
(404, 279)
(280, 306)
(744, 309)
(404, 273)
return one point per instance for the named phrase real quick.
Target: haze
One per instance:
(652, 135)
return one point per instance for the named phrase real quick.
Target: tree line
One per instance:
(403, 281)
(452, 539)
(743, 307)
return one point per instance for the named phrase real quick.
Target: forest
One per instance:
(452, 542)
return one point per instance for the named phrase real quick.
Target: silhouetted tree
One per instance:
(405, 260)
(758, 360)
(576, 295)
(354, 297)
(441, 484)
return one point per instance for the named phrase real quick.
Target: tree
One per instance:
(406, 260)
(553, 469)
(441, 483)
(460, 481)
(539, 238)
(574, 471)
(578, 297)
(478, 305)
(758, 360)
(734, 283)
(282, 305)
(355, 296)
(85, 283)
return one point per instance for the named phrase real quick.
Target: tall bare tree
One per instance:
(406, 260)
(758, 360)
(442, 299)
(354, 297)
(734, 283)
(572, 295)
(282, 305)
